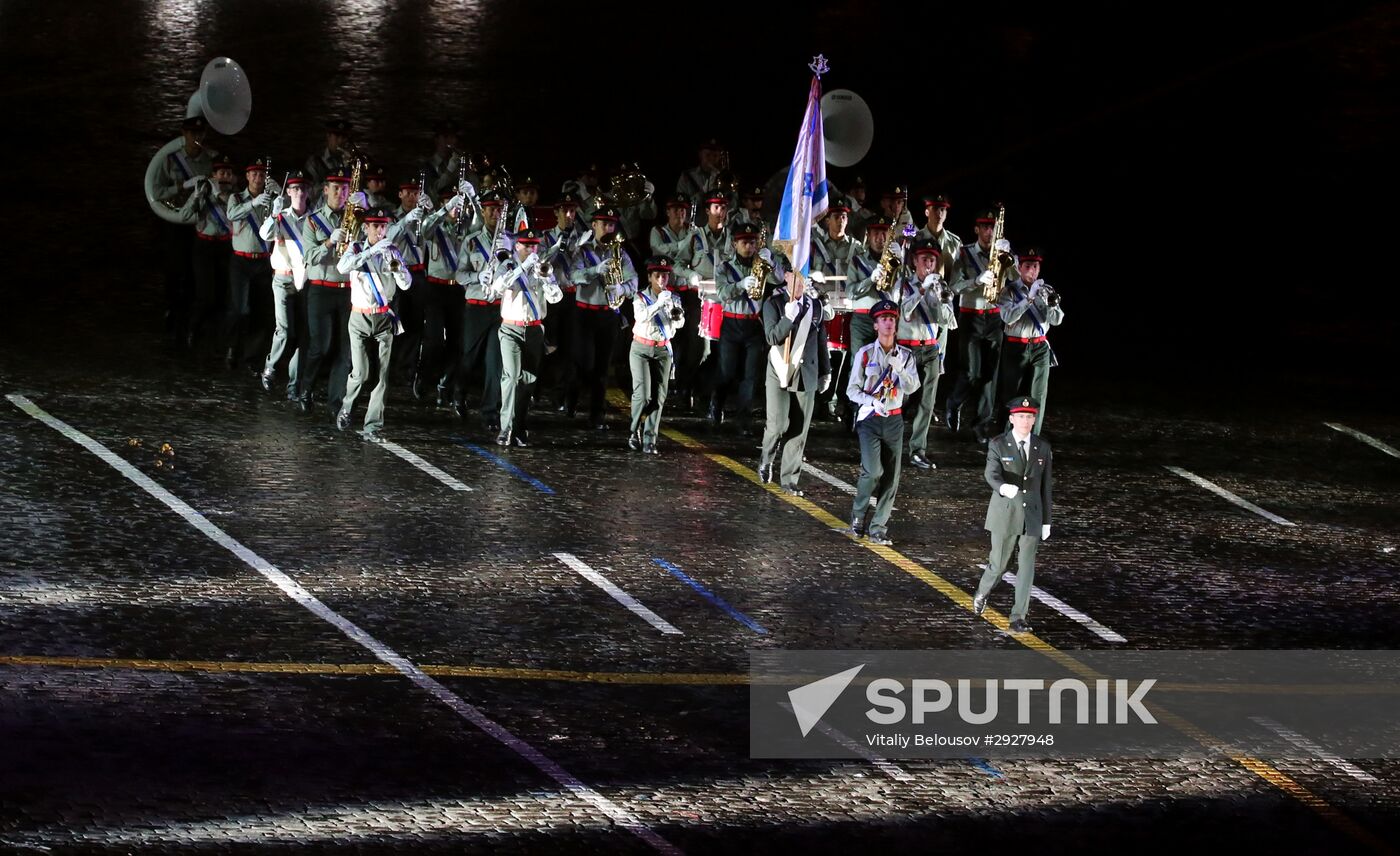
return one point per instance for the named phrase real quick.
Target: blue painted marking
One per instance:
(505, 465)
(711, 597)
(981, 764)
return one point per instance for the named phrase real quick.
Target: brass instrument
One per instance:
(889, 263)
(992, 290)
(613, 280)
(1052, 297)
(350, 220)
(628, 186)
(761, 268)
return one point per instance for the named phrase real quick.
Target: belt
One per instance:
(917, 343)
(597, 307)
(895, 412)
(440, 281)
(1025, 341)
(374, 310)
(204, 237)
(281, 272)
(328, 284)
(992, 311)
(417, 268)
(741, 315)
(569, 289)
(474, 302)
(865, 311)
(645, 341)
(514, 323)
(681, 288)
(244, 255)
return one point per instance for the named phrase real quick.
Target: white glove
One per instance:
(1045, 532)
(818, 276)
(425, 201)
(881, 408)
(466, 277)
(456, 202)
(337, 236)
(1002, 245)
(813, 292)
(986, 278)
(466, 190)
(931, 281)
(897, 250)
(415, 215)
(823, 383)
(359, 199)
(694, 280)
(748, 282)
(1009, 491)
(272, 188)
(878, 277)
(277, 206)
(384, 246)
(531, 262)
(793, 309)
(766, 254)
(648, 187)
(663, 299)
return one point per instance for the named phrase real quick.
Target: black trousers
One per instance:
(742, 349)
(408, 305)
(687, 344)
(177, 251)
(982, 350)
(561, 331)
(327, 341)
(481, 346)
(249, 308)
(210, 285)
(442, 332)
(597, 332)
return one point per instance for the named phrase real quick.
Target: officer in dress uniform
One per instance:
(795, 325)
(561, 324)
(1018, 516)
(407, 234)
(882, 374)
(479, 314)
(979, 321)
(443, 232)
(742, 345)
(676, 239)
(376, 272)
(207, 207)
(332, 159)
(926, 314)
(283, 230)
(250, 276)
(598, 290)
(176, 174)
(659, 314)
(327, 296)
(1029, 309)
(525, 287)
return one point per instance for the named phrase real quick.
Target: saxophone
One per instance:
(761, 268)
(889, 263)
(991, 291)
(613, 280)
(350, 220)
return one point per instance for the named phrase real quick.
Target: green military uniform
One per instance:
(981, 332)
(561, 325)
(679, 246)
(172, 173)
(376, 275)
(207, 208)
(804, 321)
(327, 304)
(444, 309)
(524, 297)
(924, 321)
(657, 318)
(1021, 520)
(742, 348)
(250, 275)
(1026, 357)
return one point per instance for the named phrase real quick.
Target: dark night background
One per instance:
(1208, 182)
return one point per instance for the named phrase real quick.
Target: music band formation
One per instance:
(453, 276)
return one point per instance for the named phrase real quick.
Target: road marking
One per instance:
(354, 632)
(617, 594)
(1315, 750)
(981, 764)
(1365, 438)
(879, 762)
(711, 597)
(395, 448)
(505, 465)
(830, 479)
(1225, 494)
(1069, 612)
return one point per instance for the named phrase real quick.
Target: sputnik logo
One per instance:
(811, 701)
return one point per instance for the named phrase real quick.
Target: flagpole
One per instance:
(819, 66)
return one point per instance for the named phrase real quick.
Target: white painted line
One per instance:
(881, 763)
(1365, 438)
(848, 489)
(1069, 612)
(352, 631)
(617, 594)
(1225, 494)
(390, 446)
(1315, 750)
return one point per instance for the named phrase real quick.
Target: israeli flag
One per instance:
(805, 196)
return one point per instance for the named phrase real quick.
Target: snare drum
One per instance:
(711, 318)
(838, 332)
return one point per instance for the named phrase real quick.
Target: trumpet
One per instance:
(1052, 297)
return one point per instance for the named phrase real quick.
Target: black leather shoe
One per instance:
(417, 387)
(765, 473)
(442, 397)
(304, 404)
(503, 438)
(600, 426)
(493, 425)
(342, 420)
(793, 491)
(634, 441)
(520, 440)
(879, 538)
(1020, 625)
(857, 529)
(918, 460)
(953, 419)
(715, 416)
(649, 449)
(265, 381)
(979, 603)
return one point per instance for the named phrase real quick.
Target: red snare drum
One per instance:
(711, 317)
(838, 332)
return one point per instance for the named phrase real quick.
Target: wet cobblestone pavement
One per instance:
(158, 695)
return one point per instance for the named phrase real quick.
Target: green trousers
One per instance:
(651, 377)
(1002, 545)
(369, 333)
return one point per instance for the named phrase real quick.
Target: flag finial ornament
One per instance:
(819, 65)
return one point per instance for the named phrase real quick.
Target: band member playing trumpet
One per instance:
(525, 286)
(376, 272)
(659, 314)
(676, 239)
(477, 318)
(327, 296)
(925, 317)
(605, 278)
(882, 374)
(793, 328)
(743, 283)
(1029, 308)
(250, 277)
(283, 229)
(979, 321)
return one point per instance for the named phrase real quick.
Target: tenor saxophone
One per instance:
(350, 220)
(992, 290)
(616, 295)
(761, 268)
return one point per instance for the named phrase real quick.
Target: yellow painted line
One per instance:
(954, 593)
